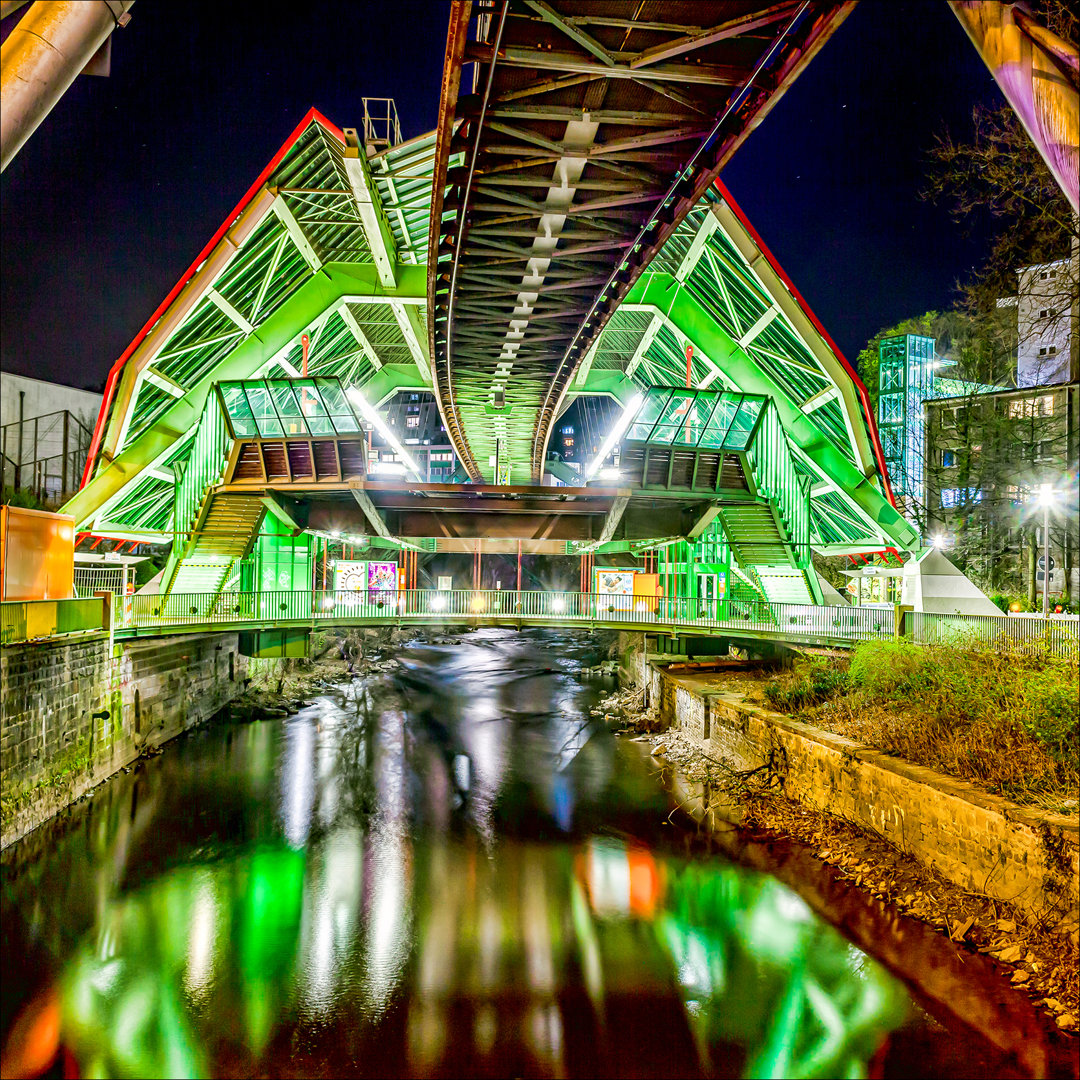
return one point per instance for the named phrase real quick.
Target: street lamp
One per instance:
(1046, 499)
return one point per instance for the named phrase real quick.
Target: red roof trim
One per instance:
(313, 114)
(860, 388)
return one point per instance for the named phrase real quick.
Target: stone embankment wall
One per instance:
(77, 709)
(979, 841)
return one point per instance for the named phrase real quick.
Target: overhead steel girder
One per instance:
(663, 292)
(627, 146)
(319, 294)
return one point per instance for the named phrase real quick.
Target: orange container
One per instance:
(37, 554)
(646, 590)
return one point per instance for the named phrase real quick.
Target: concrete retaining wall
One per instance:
(75, 710)
(981, 842)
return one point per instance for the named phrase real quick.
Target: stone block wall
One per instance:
(75, 710)
(979, 841)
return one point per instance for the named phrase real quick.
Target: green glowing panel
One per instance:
(282, 561)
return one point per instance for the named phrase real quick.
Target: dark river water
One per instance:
(451, 871)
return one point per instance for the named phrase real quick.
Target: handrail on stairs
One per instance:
(204, 468)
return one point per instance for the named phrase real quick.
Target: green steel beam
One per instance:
(664, 292)
(319, 294)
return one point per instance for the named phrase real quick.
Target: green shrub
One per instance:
(999, 717)
(882, 668)
(811, 682)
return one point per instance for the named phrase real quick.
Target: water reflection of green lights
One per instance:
(217, 959)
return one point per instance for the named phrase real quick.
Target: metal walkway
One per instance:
(155, 615)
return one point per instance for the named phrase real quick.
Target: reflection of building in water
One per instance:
(544, 959)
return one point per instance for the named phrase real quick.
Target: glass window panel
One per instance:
(639, 432)
(333, 396)
(237, 407)
(309, 397)
(664, 433)
(319, 425)
(288, 408)
(676, 407)
(262, 409)
(345, 424)
(720, 421)
(697, 418)
(739, 432)
(652, 407)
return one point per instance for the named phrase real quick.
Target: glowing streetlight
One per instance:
(1047, 497)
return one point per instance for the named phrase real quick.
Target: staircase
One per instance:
(771, 540)
(211, 531)
(225, 533)
(754, 535)
(784, 585)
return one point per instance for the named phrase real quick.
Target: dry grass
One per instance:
(1004, 721)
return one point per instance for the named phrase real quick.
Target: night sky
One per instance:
(121, 186)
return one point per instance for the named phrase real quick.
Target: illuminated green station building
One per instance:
(233, 425)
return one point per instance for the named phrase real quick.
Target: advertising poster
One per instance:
(382, 576)
(721, 585)
(616, 588)
(350, 576)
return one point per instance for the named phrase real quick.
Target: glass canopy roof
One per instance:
(698, 418)
(270, 408)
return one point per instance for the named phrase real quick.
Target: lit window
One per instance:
(951, 497)
(412, 421)
(948, 459)
(568, 442)
(1030, 407)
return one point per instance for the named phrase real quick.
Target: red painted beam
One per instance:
(313, 114)
(860, 388)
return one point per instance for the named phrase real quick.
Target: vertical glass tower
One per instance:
(905, 381)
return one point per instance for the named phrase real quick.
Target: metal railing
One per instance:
(204, 467)
(29, 620)
(770, 460)
(93, 579)
(1030, 634)
(797, 621)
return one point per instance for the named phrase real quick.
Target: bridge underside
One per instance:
(532, 514)
(589, 135)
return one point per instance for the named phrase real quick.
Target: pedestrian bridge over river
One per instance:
(279, 623)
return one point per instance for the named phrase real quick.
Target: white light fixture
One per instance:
(615, 434)
(372, 415)
(1047, 495)
(611, 474)
(387, 468)
(558, 605)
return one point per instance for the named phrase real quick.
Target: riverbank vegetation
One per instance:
(1006, 721)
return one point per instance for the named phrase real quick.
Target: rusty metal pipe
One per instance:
(1037, 73)
(41, 58)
